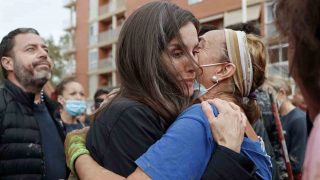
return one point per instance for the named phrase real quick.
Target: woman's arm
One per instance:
(84, 166)
(229, 133)
(182, 152)
(87, 168)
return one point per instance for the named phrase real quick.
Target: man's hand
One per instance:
(75, 146)
(229, 126)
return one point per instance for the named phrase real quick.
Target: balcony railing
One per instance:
(111, 7)
(70, 67)
(121, 3)
(271, 30)
(93, 40)
(102, 66)
(279, 68)
(108, 37)
(68, 48)
(68, 25)
(107, 8)
(69, 3)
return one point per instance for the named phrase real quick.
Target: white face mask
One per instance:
(279, 102)
(214, 79)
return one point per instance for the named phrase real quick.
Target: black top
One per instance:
(294, 125)
(122, 133)
(125, 130)
(227, 164)
(21, 147)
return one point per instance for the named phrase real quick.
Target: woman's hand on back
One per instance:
(229, 126)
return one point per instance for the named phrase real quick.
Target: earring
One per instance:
(215, 79)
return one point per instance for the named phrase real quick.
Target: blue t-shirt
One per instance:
(52, 145)
(184, 150)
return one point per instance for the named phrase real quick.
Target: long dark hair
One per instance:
(143, 73)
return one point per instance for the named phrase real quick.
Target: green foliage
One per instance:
(58, 59)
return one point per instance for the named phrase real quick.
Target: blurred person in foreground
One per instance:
(70, 95)
(31, 138)
(299, 22)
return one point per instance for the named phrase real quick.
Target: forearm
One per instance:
(88, 169)
(227, 164)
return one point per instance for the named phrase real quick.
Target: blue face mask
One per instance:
(75, 107)
(199, 89)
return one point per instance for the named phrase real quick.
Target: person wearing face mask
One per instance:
(70, 95)
(293, 122)
(184, 151)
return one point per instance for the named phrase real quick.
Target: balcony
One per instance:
(279, 68)
(68, 49)
(271, 30)
(69, 3)
(108, 37)
(121, 4)
(70, 67)
(93, 40)
(102, 66)
(69, 25)
(107, 10)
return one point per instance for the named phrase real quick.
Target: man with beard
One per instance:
(31, 139)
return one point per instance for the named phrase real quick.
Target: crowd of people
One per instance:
(194, 102)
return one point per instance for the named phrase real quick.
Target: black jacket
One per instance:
(21, 154)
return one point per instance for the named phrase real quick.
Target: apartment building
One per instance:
(76, 48)
(93, 29)
(222, 13)
(95, 25)
(105, 21)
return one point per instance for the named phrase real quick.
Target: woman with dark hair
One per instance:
(160, 70)
(157, 67)
(299, 22)
(70, 95)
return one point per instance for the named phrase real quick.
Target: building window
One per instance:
(278, 60)
(93, 60)
(270, 27)
(194, 1)
(278, 53)
(93, 33)
(270, 12)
